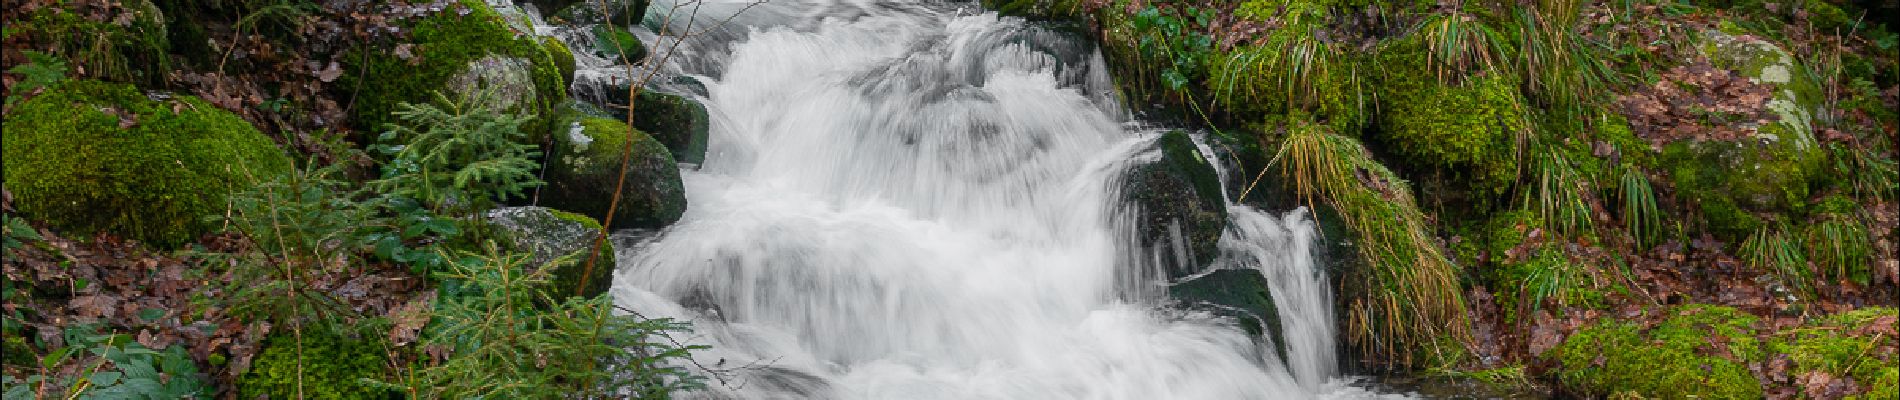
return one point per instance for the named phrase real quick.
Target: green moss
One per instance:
(1468, 129)
(1834, 345)
(93, 157)
(331, 367)
(445, 43)
(1700, 351)
(563, 59)
(585, 167)
(135, 51)
(1736, 184)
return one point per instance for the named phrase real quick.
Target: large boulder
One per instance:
(1180, 213)
(91, 156)
(584, 170)
(1767, 172)
(677, 122)
(1241, 294)
(465, 42)
(547, 234)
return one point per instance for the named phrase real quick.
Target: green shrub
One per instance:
(501, 345)
(90, 157)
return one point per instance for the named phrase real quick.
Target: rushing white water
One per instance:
(918, 201)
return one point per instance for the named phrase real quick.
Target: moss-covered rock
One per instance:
(1242, 294)
(584, 168)
(456, 44)
(1180, 213)
(614, 43)
(90, 156)
(547, 234)
(677, 122)
(1736, 184)
(1468, 129)
(332, 367)
(1700, 351)
(122, 41)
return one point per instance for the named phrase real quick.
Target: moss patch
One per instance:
(332, 366)
(90, 156)
(563, 59)
(1699, 351)
(1857, 344)
(1468, 129)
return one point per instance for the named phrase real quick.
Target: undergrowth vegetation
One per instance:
(1423, 126)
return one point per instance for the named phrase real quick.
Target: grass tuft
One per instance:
(1410, 296)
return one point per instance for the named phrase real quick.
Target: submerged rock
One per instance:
(547, 234)
(89, 156)
(1241, 294)
(584, 170)
(1179, 209)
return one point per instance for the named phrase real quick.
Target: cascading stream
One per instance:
(918, 201)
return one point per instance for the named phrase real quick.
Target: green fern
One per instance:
(40, 71)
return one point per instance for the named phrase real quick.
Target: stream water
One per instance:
(921, 200)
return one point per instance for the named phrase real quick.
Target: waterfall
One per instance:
(917, 200)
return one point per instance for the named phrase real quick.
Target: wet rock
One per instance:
(547, 234)
(1241, 294)
(504, 83)
(1179, 209)
(677, 122)
(584, 170)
